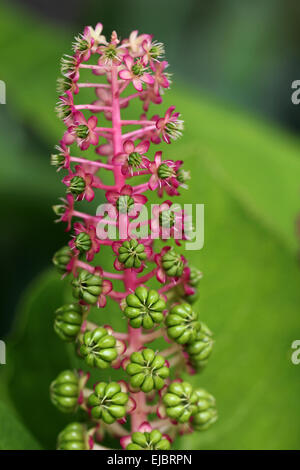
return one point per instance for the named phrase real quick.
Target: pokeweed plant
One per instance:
(158, 402)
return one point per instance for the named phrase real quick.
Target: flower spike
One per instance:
(150, 284)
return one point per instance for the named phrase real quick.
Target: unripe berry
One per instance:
(58, 160)
(200, 349)
(87, 287)
(64, 391)
(62, 258)
(172, 263)
(147, 370)
(182, 323)
(144, 308)
(180, 401)
(124, 204)
(206, 413)
(153, 440)
(132, 253)
(83, 242)
(108, 402)
(77, 186)
(195, 276)
(73, 437)
(165, 171)
(167, 218)
(134, 159)
(183, 176)
(98, 348)
(68, 321)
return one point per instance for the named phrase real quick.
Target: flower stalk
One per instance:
(132, 70)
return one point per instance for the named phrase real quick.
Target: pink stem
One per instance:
(143, 279)
(103, 129)
(136, 122)
(92, 107)
(140, 188)
(138, 133)
(149, 337)
(128, 98)
(93, 85)
(171, 350)
(134, 335)
(97, 219)
(83, 265)
(117, 295)
(91, 162)
(89, 66)
(139, 173)
(169, 286)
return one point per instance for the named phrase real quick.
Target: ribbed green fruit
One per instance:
(148, 441)
(83, 242)
(87, 287)
(147, 370)
(98, 348)
(172, 264)
(73, 437)
(62, 258)
(132, 254)
(180, 401)
(77, 186)
(64, 391)
(108, 402)
(68, 321)
(144, 308)
(182, 324)
(206, 414)
(200, 349)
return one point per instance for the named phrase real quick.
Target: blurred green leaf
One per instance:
(34, 357)
(14, 436)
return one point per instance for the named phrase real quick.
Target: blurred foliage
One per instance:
(244, 171)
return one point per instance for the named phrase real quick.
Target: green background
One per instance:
(244, 169)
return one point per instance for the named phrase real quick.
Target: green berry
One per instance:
(62, 258)
(191, 299)
(206, 413)
(82, 131)
(180, 401)
(64, 391)
(77, 186)
(134, 159)
(183, 176)
(73, 437)
(167, 218)
(98, 348)
(87, 287)
(108, 402)
(58, 160)
(68, 321)
(83, 242)
(132, 254)
(144, 308)
(200, 349)
(153, 440)
(195, 276)
(172, 264)
(147, 370)
(124, 204)
(165, 171)
(182, 324)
